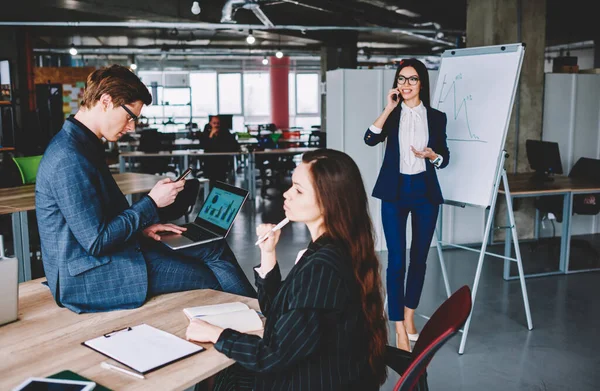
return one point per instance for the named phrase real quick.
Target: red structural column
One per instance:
(280, 109)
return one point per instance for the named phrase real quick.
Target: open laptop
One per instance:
(9, 288)
(216, 216)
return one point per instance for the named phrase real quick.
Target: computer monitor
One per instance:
(5, 83)
(544, 158)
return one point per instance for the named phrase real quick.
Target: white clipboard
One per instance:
(143, 348)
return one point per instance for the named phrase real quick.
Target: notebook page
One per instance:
(242, 321)
(214, 309)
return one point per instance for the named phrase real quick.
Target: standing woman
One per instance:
(325, 326)
(407, 183)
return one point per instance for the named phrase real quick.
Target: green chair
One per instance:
(28, 167)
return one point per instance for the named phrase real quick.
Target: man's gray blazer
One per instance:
(88, 231)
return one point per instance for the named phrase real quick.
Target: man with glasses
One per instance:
(99, 252)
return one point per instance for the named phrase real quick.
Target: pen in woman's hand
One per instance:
(275, 228)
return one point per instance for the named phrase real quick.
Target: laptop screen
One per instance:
(222, 205)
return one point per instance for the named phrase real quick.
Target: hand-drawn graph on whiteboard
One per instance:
(476, 89)
(456, 106)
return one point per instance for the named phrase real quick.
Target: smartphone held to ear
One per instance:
(185, 173)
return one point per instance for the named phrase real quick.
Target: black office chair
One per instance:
(583, 204)
(316, 139)
(151, 141)
(274, 170)
(183, 204)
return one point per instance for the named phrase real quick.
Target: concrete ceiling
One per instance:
(415, 27)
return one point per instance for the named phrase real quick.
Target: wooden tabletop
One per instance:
(22, 198)
(522, 183)
(47, 339)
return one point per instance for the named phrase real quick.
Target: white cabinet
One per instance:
(355, 98)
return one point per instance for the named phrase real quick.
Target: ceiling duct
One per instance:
(231, 6)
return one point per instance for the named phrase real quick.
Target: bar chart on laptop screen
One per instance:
(221, 207)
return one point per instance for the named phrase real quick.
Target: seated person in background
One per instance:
(217, 139)
(100, 253)
(325, 324)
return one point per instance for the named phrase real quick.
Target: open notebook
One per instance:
(237, 316)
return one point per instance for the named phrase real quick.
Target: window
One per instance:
(307, 122)
(204, 93)
(307, 93)
(176, 96)
(230, 93)
(257, 94)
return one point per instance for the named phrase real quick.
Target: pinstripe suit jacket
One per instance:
(314, 336)
(92, 259)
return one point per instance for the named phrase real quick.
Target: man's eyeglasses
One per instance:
(132, 117)
(413, 80)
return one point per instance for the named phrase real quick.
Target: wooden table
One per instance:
(522, 185)
(18, 200)
(46, 339)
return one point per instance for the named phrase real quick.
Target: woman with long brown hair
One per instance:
(325, 327)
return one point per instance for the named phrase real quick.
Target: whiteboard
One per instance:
(476, 89)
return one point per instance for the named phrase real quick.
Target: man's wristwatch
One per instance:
(436, 160)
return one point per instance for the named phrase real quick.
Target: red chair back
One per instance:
(443, 324)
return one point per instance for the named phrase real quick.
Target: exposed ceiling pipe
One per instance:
(231, 7)
(218, 26)
(229, 10)
(176, 51)
(259, 14)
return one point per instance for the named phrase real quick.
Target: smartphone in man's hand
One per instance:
(185, 173)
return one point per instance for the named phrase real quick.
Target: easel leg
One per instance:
(513, 230)
(486, 233)
(442, 264)
(488, 227)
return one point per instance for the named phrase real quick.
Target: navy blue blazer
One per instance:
(88, 232)
(387, 185)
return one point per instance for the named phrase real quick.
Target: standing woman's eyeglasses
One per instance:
(132, 117)
(413, 80)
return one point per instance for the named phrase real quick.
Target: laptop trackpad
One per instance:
(175, 240)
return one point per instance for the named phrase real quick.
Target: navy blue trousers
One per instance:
(208, 266)
(412, 199)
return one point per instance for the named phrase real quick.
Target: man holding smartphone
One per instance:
(99, 252)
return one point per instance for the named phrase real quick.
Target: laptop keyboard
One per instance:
(197, 234)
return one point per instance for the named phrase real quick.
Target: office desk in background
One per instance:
(185, 154)
(46, 339)
(17, 201)
(521, 186)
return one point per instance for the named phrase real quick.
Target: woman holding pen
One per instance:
(407, 183)
(325, 324)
